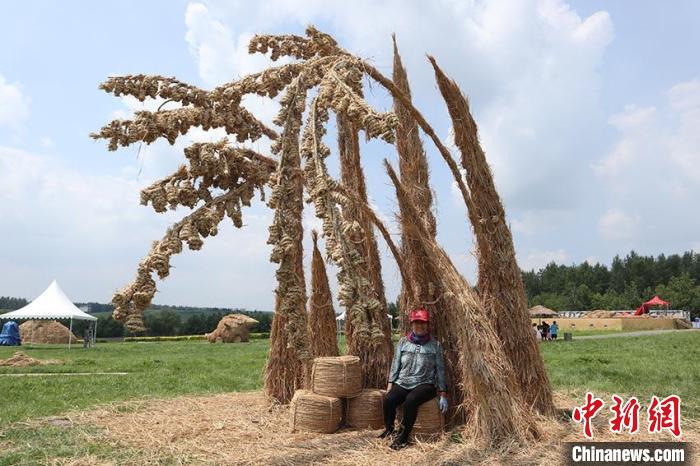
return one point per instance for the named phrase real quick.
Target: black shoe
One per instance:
(398, 444)
(386, 433)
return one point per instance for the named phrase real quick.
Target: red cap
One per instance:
(419, 315)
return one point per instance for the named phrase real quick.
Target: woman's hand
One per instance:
(443, 404)
(388, 387)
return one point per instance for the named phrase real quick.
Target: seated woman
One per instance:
(417, 375)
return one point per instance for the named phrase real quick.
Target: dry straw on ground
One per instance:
(500, 282)
(232, 328)
(211, 429)
(21, 359)
(45, 331)
(322, 325)
(339, 376)
(310, 412)
(365, 410)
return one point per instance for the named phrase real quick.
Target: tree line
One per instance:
(625, 284)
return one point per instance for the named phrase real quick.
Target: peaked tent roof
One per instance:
(540, 310)
(51, 304)
(656, 301)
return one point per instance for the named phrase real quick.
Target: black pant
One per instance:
(411, 400)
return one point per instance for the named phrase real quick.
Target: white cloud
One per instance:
(14, 105)
(617, 225)
(537, 259)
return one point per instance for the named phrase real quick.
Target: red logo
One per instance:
(626, 416)
(665, 414)
(587, 412)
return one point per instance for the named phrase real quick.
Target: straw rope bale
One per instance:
(429, 421)
(339, 376)
(310, 412)
(322, 324)
(500, 281)
(365, 411)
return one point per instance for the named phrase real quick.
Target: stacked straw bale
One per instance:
(429, 421)
(500, 282)
(322, 324)
(339, 376)
(365, 410)
(311, 412)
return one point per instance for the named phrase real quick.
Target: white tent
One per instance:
(51, 304)
(340, 319)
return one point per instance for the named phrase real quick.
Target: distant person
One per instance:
(545, 330)
(553, 330)
(87, 336)
(535, 331)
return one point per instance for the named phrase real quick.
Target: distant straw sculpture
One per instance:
(500, 282)
(496, 412)
(322, 325)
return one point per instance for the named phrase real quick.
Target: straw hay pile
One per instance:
(232, 328)
(46, 331)
(310, 412)
(339, 377)
(21, 359)
(365, 411)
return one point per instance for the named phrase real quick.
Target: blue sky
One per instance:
(589, 112)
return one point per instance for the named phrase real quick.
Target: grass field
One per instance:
(640, 366)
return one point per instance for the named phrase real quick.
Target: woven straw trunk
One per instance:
(376, 359)
(310, 412)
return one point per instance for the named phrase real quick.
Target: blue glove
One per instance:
(443, 404)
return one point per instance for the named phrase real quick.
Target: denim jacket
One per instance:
(417, 364)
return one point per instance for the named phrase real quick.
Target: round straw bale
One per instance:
(339, 376)
(429, 422)
(365, 410)
(315, 413)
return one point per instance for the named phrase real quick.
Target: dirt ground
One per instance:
(244, 429)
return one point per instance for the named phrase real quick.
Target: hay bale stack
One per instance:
(311, 412)
(365, 410)
(322, 325)
(46, 332)
(339, 376)
(232, 328)
(429, 421)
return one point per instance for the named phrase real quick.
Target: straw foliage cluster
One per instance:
(322, 324)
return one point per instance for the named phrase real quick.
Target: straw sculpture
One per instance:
(365, 410)
(339, 376)
(413, 168)
(322, 324)
(429, 421)
(497, 412)
(500, 281)
(310, 412)
(353, 180)
(45, 331)
(232, 328)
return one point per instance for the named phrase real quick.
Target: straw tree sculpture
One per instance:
(222, 177)
(322, 324)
